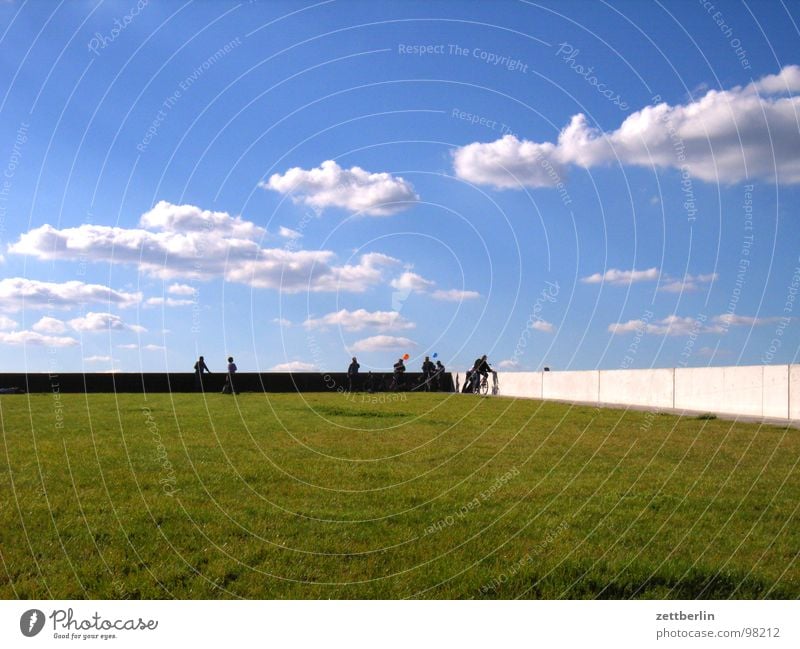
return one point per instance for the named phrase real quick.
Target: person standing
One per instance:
(399, 373)
(230, 387)
(428, 368)
(439, 376)
(200, 367)
(352, 374)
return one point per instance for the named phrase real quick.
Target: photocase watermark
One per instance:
(168, 478)
(479, 120)
(748, 239)
(679, 146)
(102, 41)
(494, 59)
(529, 557)
(569, 55)
(548, 295)
(473, 504)
(786, 319)
(727, 32)
(170, 102)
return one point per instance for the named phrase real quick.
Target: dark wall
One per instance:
(185, 382)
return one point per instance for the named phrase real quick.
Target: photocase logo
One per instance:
(31, 622)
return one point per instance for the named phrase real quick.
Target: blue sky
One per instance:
(577, 185)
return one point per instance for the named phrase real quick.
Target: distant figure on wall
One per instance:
(439, 376)
(200, 367)
(229, 387)
(398, 375)
(428, 368)
(352, 374)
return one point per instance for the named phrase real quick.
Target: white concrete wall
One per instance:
(650, 388)
(794, 392)
(520, 384)
(771, 391)
(571, 386)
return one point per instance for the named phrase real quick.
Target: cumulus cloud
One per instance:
(382, 343)
(181, 289)
(360, 319)
(98, 359)
(744, 133)
(410, 282)
(94, 321)
(543, 325)
(49, 325)
(616, 276)
(288, 233)
(35, 338)
(128, 346)
(184, 248)
(354, 189)
(688, 283)
(7, 323)
(509, 364)
(294, 366)
(455, 295)
(283, 322)
(17, 293)
(167, 217)
(167, 301)
(674, 325)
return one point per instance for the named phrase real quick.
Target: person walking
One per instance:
(230, 386)
(439, 376)
(352, 374)
(200, 367)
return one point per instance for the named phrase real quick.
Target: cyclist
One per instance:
(480, 371)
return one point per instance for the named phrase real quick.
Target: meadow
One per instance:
(389, 496)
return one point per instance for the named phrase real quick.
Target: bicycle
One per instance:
(483, 386)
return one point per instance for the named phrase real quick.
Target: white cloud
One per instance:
(7, 323)
(294, 366)
(725, 136)
(98, 359)
(410, 282)
(94, 321)
(48, 325)
(616, 276)
(382, 343)
(288, 233)
(543, 325)
(35, 338)
(128, 346)
(154, 348)
(189, 218)
(181, 289)
(509, 364)
(17, 293)
(167, 301)
(688, 283)
(221, 249)
(283, 322)
(360, 319)
(733, 320)
(455, 295)
(354, 189)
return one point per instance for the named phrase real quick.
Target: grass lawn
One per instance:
(424, 496)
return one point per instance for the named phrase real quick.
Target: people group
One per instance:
(201, 368)
(433, 377)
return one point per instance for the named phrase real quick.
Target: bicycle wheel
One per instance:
(484, 388)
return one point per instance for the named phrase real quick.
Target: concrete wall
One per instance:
(520, 384)
(650, 388)
(571, 386)
(763, 391)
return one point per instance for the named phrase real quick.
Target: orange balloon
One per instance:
(405, 357)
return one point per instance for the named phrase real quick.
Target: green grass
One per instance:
(429, 496)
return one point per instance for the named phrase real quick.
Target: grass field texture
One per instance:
(420, 495)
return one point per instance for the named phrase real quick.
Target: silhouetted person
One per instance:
(352, 374)
(439, 376)
(370, 383)
(428, 368)
(399, 373)
(230, 387)
(200, 367)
